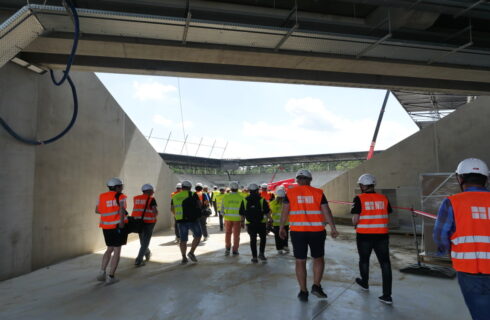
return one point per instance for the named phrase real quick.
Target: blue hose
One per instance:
(57, 83)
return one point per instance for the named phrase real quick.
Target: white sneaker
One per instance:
(111, 280)
(101, 276)
(286, 250)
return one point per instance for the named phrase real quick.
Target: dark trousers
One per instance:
(366, 243)
(215, 206)
(204, 227)
(220, 217)
(176, 229)
(254, 230)
(280, 243)
(145, 237)
(476, 293)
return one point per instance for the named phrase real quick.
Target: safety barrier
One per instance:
(418, 212)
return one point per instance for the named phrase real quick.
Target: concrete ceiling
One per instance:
(437, 46)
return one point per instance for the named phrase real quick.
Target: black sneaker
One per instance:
(184, 260)
(236, 253)
(255, 260)
(227, 252)
(148, 255)
(262, 257)
(364, 286)
(318, 291)
(386, 299)
(192, 256)
(303, 296)
(139, 263)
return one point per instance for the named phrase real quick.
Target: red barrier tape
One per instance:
(421, 213)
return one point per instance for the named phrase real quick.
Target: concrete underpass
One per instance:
(51, 245)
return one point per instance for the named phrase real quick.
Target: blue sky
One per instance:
(257, 119)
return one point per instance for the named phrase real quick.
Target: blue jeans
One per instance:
(184, 228)
(476, 293)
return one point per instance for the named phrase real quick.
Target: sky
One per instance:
(255, 119)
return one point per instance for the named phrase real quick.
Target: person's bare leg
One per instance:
(318, 268)
(106, 258)
(301, 274)
(115, 260)
(183, 248)
(195, 243)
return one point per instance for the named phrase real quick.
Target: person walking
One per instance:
(255, 211)
(145, 208)
(463, 228)
(204, 201)
(214, 193)
(370, 213)
(308, 210)
(276, 211)
(178, 188)
(112, 209)
(219, 206)
(264, 193)
(186, 208)
(233, 222)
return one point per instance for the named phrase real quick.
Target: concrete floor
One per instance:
(220, 287)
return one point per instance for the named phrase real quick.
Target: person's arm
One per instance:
(172, 208)
(242, 214)
(267, 210)
(327, 213)
(444, 228)
(356, 211)
(153, 206)
(122, 212)
(97, 207)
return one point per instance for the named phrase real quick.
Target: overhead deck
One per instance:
(437, 46)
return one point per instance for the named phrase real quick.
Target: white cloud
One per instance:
(313, 127)
(152, 90)
(159, 119)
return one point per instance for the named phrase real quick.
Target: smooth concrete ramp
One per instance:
(220, 287)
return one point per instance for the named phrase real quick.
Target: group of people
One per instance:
(302, 212)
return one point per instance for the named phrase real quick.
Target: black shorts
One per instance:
(302, 240)
(115, 237)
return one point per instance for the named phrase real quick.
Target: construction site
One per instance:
(63, 135)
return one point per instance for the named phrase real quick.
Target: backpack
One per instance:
(191, 207)
(254, 211)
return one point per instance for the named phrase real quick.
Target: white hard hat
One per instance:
(205, 187)
(199, 184)
(472, 165)
(304, 173)
(215, 187)
(186, 184)
(147, 187)
(179, 185)
(253, 186)
(222, 188)
(263, 185)
(280, 192)
(114, 182)
(367, 179)
(234, 185)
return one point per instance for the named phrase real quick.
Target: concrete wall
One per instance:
(437, 148)
(48, 193)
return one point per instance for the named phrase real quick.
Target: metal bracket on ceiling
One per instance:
(454, 50)
(285, 37)
(387, 21)
(469, 8)
(187, 22)
(294, 10)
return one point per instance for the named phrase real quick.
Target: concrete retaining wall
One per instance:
(437, 148)
(48, 193)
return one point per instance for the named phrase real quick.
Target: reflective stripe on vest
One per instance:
(374, 214)
(231, 203)
(276, 211)
(139, 207)
(177, 200)
(470, 249)
(305, 209)
(109, 210)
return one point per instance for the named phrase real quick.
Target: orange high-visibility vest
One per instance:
(374, 214)
(470, 249)
(265, 195)
(109, 210)
(305, 209)
(139, 207)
